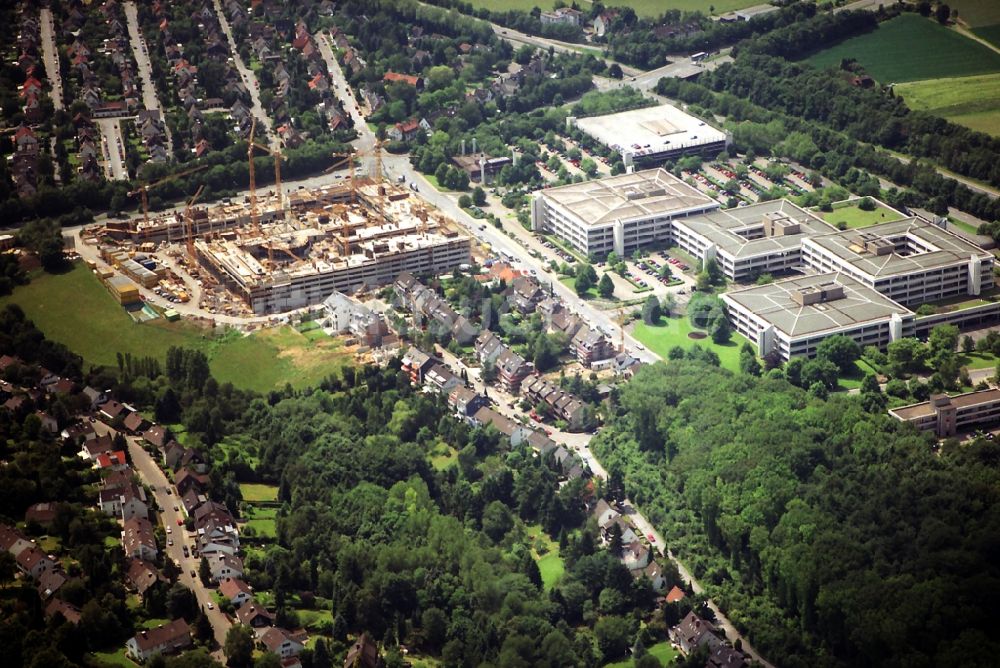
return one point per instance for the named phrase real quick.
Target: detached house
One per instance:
(164, 639)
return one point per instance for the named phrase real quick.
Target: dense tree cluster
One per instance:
(836, 535)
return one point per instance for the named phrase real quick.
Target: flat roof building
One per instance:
(618, 213)
(910, 261)
(791, 317)
(946, 416)
(654, 134)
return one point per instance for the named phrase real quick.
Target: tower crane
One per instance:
(190, 223)
(144, 188)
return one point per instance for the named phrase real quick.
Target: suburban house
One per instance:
(439, 378)
(138, 540)
(224, 566)
(254, 615)
(465, 401)
(517, 433)
(694, 632)
(142, 575)
(655, 575)
(50, 582)
(525, 294)
(604, 514)
(41, 513)
(562, 404)
(363, 654)
(236, 591)
(280, 642)
(33, 562)
(164, 639)
(592, 346)
(416, 363)
(512, 369)
(69, 612)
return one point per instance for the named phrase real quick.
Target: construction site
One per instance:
(275, 253)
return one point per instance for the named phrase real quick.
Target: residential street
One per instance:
(167, 500)
(111, 142)
(249, 79)
(50, 57)
(139, 50)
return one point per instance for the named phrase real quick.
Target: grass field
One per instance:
(650, 8)
(970, 101)
(114, 658)
(990, 33)
(443, 457)
(255, 492)
(75, 309)
(662, 651)
(855, 217)
(674, 332)
(977, 13)
(888, 54)
(262, 521)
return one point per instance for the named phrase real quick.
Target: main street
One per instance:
(173, 520)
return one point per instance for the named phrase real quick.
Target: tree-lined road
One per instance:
(50, 56)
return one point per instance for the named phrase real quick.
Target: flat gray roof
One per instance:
(722, 228)
(775, 305)
(650, 130)
(932, 248)
(626, 197)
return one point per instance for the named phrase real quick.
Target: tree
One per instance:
(942, 14)
(615, 71)
(497, 521)
(748, 360)
(968, 344)
(651, 310)
(820, 371)
(582, 283)
(464, 201)
(203, 628)
(612, 634)
(204, 572)
(239, 646)
(721, 330)
(606, 286)
(839, 349)
(434, 623)
(478, 196)
(267, 660)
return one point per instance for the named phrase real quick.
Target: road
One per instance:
(50, 56)
(111, 142)
(166, 498)
(249, 79)
(141, 53)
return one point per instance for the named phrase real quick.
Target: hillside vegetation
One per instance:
(837, 537)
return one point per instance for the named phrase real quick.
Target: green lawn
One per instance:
(888, 53)
(252, 492)
(153, 623)
(855, 217)
(262, 521)
(570, 282)
(443, 457)
(977, 360)
(93, 325)
(315, 620)
(650, 8)
(550, 564)
(662, 651)
(674, 332)
(50, 544)
(853, 380)
(113, 658)
(970, 101)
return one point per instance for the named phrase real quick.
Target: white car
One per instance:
(169, 530)
(210, 605)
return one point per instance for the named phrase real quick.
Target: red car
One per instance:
(651, 537)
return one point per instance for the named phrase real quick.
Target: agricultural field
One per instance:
(888, 54)
(648, 8)
(970, 101)
(94, 326)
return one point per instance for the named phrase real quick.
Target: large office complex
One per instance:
(910, 261)
(654, 134)
(946, 416)
(631, 211)
(790, 318)
(620, 213)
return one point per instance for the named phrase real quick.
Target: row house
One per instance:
(562, 404)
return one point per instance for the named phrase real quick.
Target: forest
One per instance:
(834, 536)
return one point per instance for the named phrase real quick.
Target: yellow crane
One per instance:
(144, 188)
(190, 223)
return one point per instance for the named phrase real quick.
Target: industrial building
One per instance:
(946, 416)
(291, 263)
(910, 261)
(654, 134)
(790, 318)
